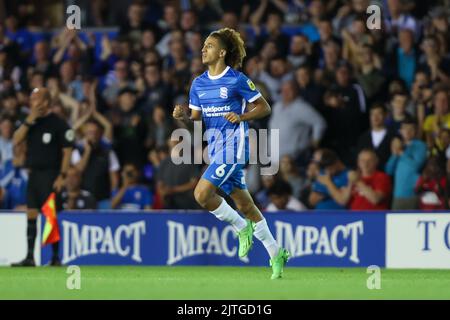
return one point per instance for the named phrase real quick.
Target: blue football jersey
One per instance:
(215, 96)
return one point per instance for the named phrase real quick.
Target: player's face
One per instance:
(211, 51)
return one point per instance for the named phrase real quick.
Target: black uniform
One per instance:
(45, 141)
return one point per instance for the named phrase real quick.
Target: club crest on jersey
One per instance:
(223, 92)
(251, 85)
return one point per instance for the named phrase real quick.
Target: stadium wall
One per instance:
(322, 239)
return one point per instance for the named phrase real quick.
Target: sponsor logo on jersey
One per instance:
(251, 85)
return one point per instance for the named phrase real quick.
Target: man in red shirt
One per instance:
(372, 189)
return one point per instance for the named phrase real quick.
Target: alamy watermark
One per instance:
(227, 147)
(73, 281)
(374, 280)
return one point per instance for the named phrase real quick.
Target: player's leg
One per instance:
(205, 194)
(245, 204)
(32, 214)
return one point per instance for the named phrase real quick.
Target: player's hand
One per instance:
(58, 184)
(232, 117)
(178, 112)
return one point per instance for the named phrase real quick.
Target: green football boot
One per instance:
(277, 263)
(246, 239)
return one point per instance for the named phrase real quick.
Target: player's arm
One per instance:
(261, 109)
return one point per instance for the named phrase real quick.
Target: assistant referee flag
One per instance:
(51, 230)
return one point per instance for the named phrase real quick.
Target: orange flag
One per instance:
(51, 230)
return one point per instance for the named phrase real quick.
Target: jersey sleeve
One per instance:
(66, 135)
(247, 88)
(194, 101)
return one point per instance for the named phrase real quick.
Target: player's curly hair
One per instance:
(232, 42)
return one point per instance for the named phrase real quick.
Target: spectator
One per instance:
(439, 119)
(331, 189)
(6, 146)
(441, 148)
(408, 155)
(131, 195)
(129, 128)
(299, 51)
(176, 182)
(156, 92)
(433, 61)
(281, 198)
(72, 197)
(117, 80)
(273, 32)
(159, 129)
(276, 75)
(289, 173)
(398, 112)
(345, 114)
(14, 180)
(309, 90)
(261, 197)
(378, 137)
(98, 164)
(312, 172)
(297, 122)
(431, 187)
(372, 188)
(370, 75)
(403, 60)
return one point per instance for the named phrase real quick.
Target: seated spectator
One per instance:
(330, 191)
(131, 195)
(280, 194)
(14, 180)
(372, 188)
(408, 155)
(431, 187)
(378, 137)
(72, 197)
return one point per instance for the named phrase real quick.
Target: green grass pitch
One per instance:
(231, 283)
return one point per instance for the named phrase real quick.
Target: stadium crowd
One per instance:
(363, 115)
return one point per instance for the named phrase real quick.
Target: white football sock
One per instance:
(226, 213)
(263, 234)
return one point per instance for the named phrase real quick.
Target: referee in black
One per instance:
(50, 141)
